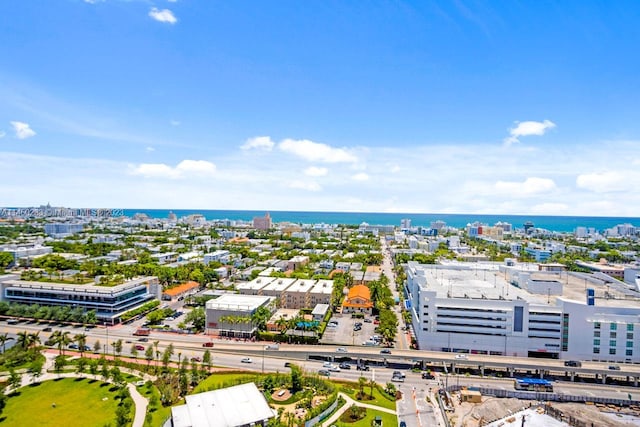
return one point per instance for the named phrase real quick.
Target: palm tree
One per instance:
(81, 339)
(27, 340)
(371, 385)
(3, 340)
(362, 381)
(281, 324)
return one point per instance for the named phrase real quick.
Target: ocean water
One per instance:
(554, 223)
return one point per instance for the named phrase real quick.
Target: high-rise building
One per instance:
(405, 223)
(262, 222)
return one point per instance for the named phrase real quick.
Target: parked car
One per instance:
(246, 360)
(140, 347)
(287, 364)
(385, 351)
(427, 375)
(208, 344)
(74, 346)
(144, 339)
(614, 367)
(47, 329)
(461, 356)
(341, 350)
(367, 320)
(196, 359)
(86, 348)
(574, 363)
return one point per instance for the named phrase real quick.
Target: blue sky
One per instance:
(526, 107)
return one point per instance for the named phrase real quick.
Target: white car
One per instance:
(334, 368)
(461, 356)
(327, 364)
(341, 350)
(246, 360)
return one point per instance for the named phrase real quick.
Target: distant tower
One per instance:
(405, 223)
(528, 227)
(262, 222)
(172, 217)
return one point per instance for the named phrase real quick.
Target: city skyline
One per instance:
(446, 107)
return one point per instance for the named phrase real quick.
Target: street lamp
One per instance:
(264, 347)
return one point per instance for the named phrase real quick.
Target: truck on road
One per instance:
(142, 332)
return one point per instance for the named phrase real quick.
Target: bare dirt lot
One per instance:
(492, 408)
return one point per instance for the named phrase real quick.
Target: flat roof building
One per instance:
(238, 406)
(109, 302)
(499, 310)
(230, 314)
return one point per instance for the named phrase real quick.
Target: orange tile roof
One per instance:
(361, 291)
(181, 289)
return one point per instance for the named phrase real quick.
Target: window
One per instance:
(613, 326)
(629, 326)
(612, 351)
(596, 342)
(629, 344)
(596, 334)
(629, 352)
(612, 343)
(596, 325)
(596, 350)
(629, 335)
(613, 335)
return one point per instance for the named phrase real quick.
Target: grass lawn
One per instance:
(218, 379)
(388, 420)
(77, 402)
(379, 399)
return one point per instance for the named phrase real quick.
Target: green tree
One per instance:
(15, 379)
(362, 382)
(35, 369)
(133, 350)
(3, 340)
(117, 347)
(6, 259)
(206, 359)
(59, 363)
(296, 378)
(197, 318)
(81, 340)
(148, 354)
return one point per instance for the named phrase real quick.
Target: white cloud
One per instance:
(550, 209)
(360, 177)
(150, 149)
(527, 128)
(602, 182)
(175, 122)
(164, 15)
(22, 130)
(302, 185)
(263, 143)
(316, 152)
(186, 168)
(316, 171)
(395, 169)
(530, 186)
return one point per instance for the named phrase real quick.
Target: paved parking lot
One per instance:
(343, 333)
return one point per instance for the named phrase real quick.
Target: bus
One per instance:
(533, 384)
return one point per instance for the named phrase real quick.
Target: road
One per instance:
(403, 339)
